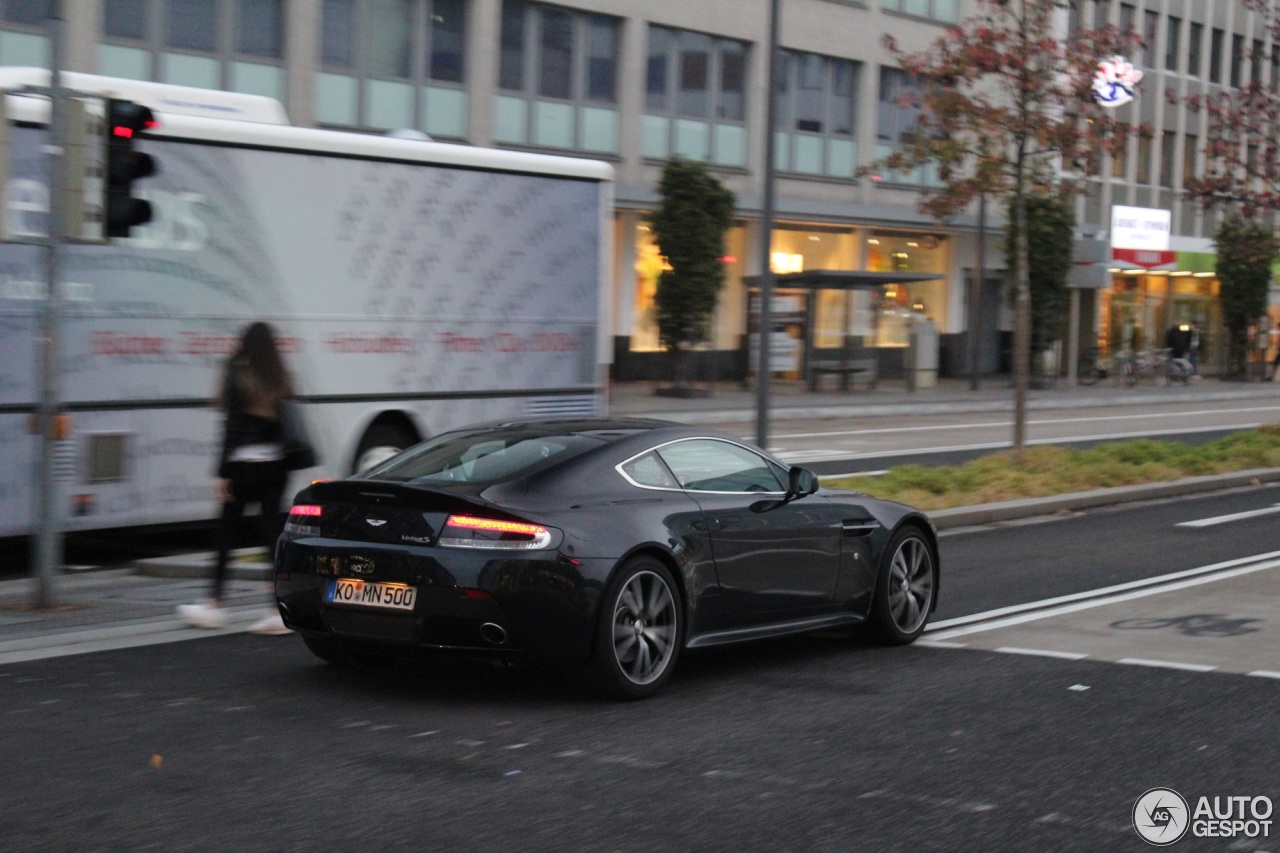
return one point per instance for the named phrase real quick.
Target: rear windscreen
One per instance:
(483, 458)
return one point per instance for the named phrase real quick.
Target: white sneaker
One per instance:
(203, 615)
(271, 625)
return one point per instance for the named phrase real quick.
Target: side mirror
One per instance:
(802, 482)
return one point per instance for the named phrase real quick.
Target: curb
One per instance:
(967, 516)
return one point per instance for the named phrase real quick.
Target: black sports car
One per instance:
(609, 543)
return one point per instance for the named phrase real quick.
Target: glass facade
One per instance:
(695, 97)
(391, 64)
(236, 45)
(557, 78)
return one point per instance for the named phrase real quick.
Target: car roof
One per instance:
(606, 428)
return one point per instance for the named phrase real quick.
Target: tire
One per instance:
(380, 443)
(906, 588)
(640, 632)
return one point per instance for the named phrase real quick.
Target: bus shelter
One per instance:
(797, 322)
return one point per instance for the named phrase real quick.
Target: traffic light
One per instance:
(125, 119)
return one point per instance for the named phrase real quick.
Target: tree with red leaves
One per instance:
(1007, 109)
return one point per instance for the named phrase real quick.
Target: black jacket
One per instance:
(239, 428)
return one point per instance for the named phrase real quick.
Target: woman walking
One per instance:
(251, 468)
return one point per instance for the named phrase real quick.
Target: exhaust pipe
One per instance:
(493, 633)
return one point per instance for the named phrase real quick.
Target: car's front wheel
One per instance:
(640, 630)
(905, 589)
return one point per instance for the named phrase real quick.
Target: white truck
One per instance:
(416, 287)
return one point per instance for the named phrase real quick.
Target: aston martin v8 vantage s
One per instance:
(610, 544)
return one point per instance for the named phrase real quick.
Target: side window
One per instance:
(649, 470)
(707, 465)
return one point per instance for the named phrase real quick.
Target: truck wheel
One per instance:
(380, 443)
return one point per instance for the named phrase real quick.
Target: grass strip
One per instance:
(1048, 470)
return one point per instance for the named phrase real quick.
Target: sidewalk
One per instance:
(134, 606)
(731, 403)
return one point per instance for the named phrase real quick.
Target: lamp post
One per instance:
(765, 328)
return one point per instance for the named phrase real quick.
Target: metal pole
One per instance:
(765, 330)
(49, 531)
(975, 292)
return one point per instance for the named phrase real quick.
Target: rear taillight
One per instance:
(304, 520)
(468, 531)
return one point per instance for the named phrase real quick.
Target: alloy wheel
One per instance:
(910, 585)
(645, 627)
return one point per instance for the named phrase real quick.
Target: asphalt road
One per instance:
(813, 743)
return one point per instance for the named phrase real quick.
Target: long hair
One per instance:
(261, 380)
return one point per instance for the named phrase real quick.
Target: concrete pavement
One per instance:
(104, 609)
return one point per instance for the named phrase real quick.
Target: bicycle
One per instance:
(1090, 368)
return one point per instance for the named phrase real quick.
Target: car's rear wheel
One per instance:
(905, 589)
(640, 631)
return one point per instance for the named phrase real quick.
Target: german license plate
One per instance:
(362, 593)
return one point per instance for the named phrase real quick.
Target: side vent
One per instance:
(107, 457)
(541, 407)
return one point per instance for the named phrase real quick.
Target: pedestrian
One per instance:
(251, 467)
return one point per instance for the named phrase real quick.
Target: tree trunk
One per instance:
(1021, 320)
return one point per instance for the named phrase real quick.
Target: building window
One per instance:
(1257, 62)
(1150, 30)
(557, 78)
(236, 45)
(1168, 148)
(1195, 35)
(24, 34)
(695, 97)
(125, 19)
(947, 11)
(1120, 162)
(896, 122)
(393, 64)
(1128, 16)
(1237, 61)
(1215, 55)
(1101, 13)
(816, 111)
(1172, 31)
(1144, 160)
(1189, 144)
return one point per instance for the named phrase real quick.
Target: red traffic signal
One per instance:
(124, 165)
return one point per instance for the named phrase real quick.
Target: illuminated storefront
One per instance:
(1142, 303)
(860, 318)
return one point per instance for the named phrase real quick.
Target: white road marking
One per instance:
(1114, 599)
(1265, 673)
(1100, 592)
(1168, 664)
(1235, 516)
(941, 644)
(1046, 653)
